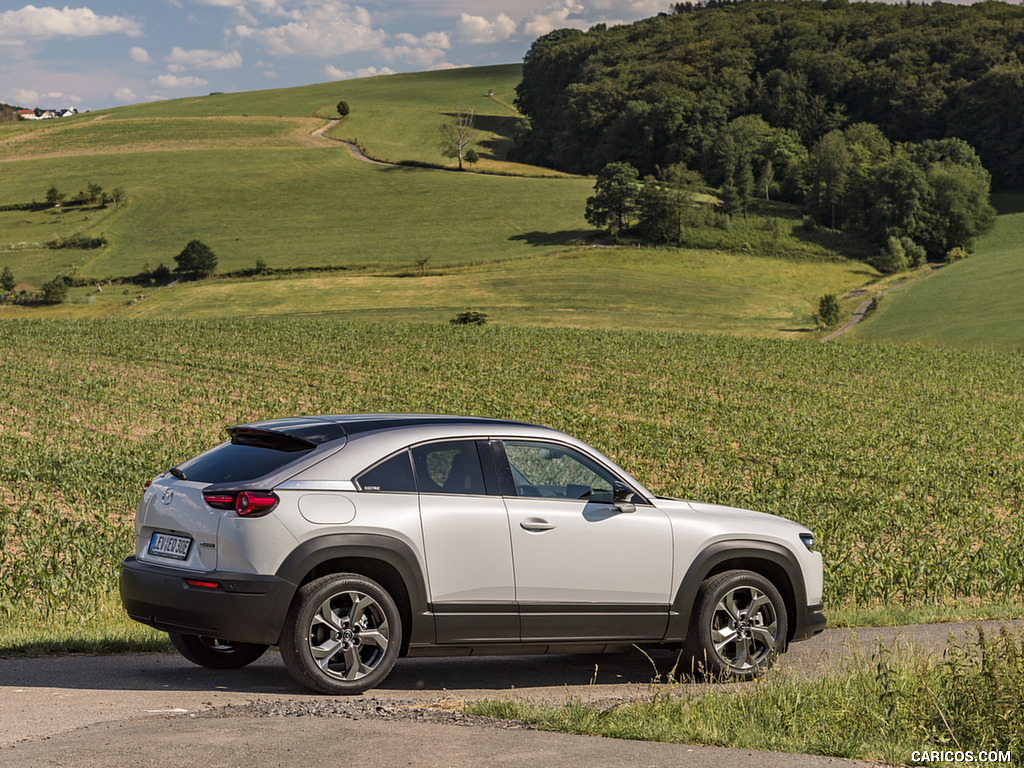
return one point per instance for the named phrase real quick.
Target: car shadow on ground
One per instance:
(170, 672)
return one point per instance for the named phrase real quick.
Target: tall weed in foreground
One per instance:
(886, 706)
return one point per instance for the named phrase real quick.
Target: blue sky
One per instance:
(101, 53)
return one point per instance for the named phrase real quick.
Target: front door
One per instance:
(584, 569)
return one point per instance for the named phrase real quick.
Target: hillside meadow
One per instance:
(609, 288)
(975, 303)
(906, 463)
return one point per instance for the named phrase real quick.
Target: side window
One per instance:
(449, 467)
(394, 474)
(557, 472)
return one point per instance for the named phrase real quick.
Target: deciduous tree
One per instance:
(615, 193)
(196, 260)
(457, 135)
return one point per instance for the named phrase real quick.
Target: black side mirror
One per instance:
(622, 497)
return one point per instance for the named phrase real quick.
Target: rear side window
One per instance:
(394, 475)
(232, 463)
(449, 467)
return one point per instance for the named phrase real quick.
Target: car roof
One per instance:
(320, 429)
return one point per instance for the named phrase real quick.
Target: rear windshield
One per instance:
(232, 462)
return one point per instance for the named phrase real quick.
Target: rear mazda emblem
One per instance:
(168, 495)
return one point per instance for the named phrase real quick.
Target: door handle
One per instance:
(536, 525)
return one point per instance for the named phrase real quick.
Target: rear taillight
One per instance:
(245, 503)
(249, 504)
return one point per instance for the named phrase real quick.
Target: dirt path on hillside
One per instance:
(864, 306)
(353, 149)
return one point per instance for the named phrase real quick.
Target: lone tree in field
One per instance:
(196, 260)
(828, 310)
(456, 135)
(343, 108)
(7, 280)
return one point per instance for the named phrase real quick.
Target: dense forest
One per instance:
(662, 90)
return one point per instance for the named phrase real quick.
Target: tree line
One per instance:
(663, 90)
(915, 201)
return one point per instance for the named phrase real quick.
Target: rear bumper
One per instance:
(809, 622)
(243, 607)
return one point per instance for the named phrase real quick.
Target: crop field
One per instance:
(906, 463)
(971, 304)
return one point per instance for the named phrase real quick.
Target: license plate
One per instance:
(169, 545)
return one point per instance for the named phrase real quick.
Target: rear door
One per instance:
(584, 569)
(466, 541)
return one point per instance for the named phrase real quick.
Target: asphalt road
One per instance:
(159, 710)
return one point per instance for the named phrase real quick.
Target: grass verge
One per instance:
(886, 705)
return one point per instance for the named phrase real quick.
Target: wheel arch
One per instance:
(772, 561)
(388, 561)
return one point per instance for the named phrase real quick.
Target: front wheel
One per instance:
(342, 635)
(212, 653)
(739, 625)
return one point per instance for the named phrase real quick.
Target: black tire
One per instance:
(216, 654)
(342, 635)
(738, 627)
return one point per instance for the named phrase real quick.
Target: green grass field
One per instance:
(974, 303)
(668, 290)
(287, 207)
(243, 173)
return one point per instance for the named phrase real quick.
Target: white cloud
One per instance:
(340, 74)
(320, 28)
(22, 97)
(125, 95)
(32, 23)
(447, 65)
(173, 81)
(30, 99)
(632, 8)
(556, 15)
(138, 54)
(337, 74)
(476, 30)
(416, 57)
(199, 58)
(429, 40)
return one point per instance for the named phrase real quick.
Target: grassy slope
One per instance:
(974, 303)
(242, 173)
(696, 291)
(290, 207)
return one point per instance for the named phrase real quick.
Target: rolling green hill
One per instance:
(974, 303)
(246, 174)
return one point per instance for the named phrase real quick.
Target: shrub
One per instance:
(892, 258)
(955, 254)
(343, 108)
(469, 317)
(55, 291)
(915, 253)
(828, 310)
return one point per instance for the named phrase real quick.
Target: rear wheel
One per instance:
(342, 635)
(739, 625)
(212, 653)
